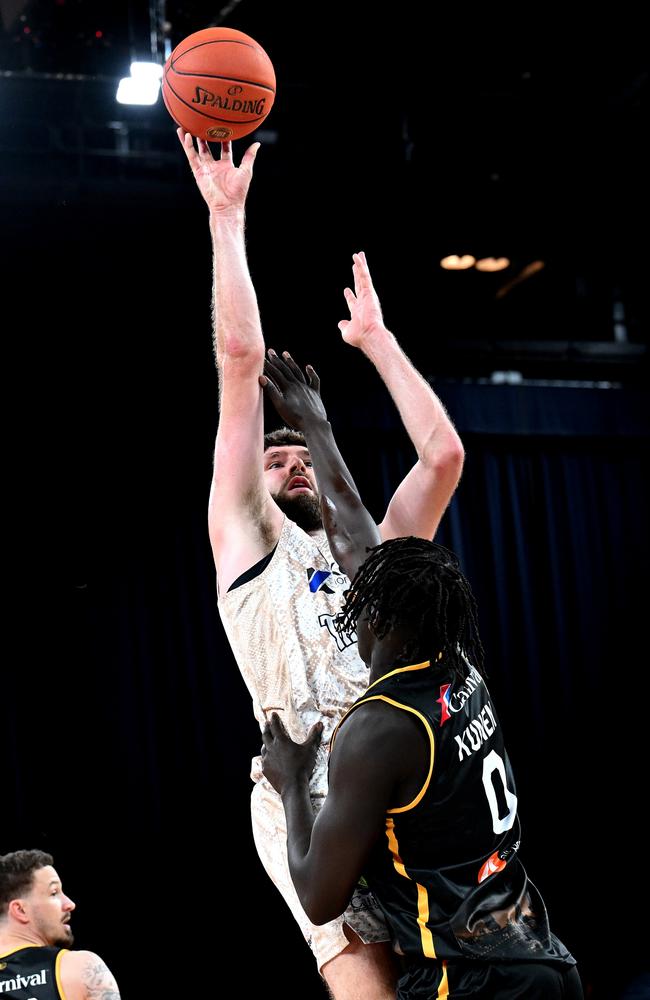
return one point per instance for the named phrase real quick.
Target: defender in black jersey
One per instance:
(422, 801)
(35, 937)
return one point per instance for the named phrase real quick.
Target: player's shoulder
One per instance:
(85, 976)
(374, 727)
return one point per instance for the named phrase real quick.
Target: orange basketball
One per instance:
(218, 84)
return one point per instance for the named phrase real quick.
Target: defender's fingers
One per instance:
(288, 360)
(277, 726)
(282, 365)
(269, 386)
(315, 733)
(226, 151)
(350, 298)
(273, 368)
(314, 380)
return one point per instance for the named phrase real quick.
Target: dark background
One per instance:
(127, 731)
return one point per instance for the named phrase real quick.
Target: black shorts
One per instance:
(500, 981)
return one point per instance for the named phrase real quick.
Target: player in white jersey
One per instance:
(277, 584)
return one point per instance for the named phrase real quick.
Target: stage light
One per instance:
(146, 71)
(455, 263)
(143, 86)
(492, 264)
(134, 91)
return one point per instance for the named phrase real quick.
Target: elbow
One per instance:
(319, 912)
(445, 459)
(240, 357)
(321, 904)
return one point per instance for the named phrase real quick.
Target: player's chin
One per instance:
(303, 508)
(65, 939)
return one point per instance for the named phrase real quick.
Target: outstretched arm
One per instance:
(296, 396)
(421, 499)
(244, 522)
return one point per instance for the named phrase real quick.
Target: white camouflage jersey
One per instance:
(281, 631)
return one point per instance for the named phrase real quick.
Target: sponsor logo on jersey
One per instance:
(497, 862)
(458, 697)
(477, 732)
(22, 982)
(343, 640)
(316, 579)
(492, 865)
(443, 701)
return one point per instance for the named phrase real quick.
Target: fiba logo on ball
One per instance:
(219, 132)
(219, 84)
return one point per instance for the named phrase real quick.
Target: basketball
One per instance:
(218, 84)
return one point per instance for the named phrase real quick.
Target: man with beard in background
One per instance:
(35, 937)
(279, 588)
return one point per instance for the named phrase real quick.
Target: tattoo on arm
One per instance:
(99, 981)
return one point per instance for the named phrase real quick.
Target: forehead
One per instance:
(286, 451)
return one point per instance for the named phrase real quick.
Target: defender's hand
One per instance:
(283, 760)
(365, 311)
(296, 398)
(223, 185)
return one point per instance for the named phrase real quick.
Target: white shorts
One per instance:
(363, 914)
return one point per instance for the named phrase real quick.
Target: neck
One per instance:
(10, 940)
(388, 654)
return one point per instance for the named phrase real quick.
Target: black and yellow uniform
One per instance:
(447, 872)
(31, 973)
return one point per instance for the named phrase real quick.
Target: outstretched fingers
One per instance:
(313, 378)
(292, 366)
(269, 381)
(362, 279)
(350, 298)
(205, 152)
(186, 140)
(248, 159)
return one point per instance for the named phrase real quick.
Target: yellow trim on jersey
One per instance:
(443, 989)
(57, 972)
(401, 670)
(426, 937)
(21, 947)
(398, 670)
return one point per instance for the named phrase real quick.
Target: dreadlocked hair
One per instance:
(417, 583)
(284, 436)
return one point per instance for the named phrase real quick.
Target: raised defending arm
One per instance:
(350, 528)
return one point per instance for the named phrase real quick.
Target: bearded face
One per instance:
(304, 509)
(291, 482)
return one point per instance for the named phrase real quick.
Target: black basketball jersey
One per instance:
(31, 973)
(447, 872)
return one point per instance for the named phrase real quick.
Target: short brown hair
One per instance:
(17, 874)
(284, 436)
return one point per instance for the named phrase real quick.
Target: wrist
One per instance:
(294, 786)
(316, 425)
(232, 216)
(375, 344)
